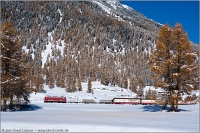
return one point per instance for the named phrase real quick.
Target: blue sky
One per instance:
(171, 12)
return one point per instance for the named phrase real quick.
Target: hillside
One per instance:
(73, 42)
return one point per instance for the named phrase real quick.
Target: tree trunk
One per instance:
(171, 101)
(177, 98)
(176, 109)
(165, 105)
(4, 104)
(11, 103)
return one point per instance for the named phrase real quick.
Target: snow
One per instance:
(105, 8)
(101, 118)
(153, 89)
(192, 54)
(176, 74)
(61, 16)
(113, 4)
(109, 10)
(79, 117)
(127, 7)
(114, 41)
(62, 46)
(48, 49)
(101, 92)
(25, 49)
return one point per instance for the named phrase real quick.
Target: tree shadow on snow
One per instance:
(159, 108)
(29, 107)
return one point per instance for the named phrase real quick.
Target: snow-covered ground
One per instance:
(102, 118)
(80, 117)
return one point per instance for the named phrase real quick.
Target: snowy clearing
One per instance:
(102, 118)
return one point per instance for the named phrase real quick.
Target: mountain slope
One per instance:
(64, 15)
(74, 41)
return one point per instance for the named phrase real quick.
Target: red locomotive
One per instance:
(57, 99)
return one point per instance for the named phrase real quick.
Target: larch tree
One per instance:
(160, 61)
(133, 85)
(89, 86)
(14, 80)
(79, 86)
(50, 77)
(173, 62)
(38, 75)
(183, 64)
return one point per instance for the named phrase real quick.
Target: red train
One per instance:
(148, 102)
(55, 99)
(133, 101)
(126, 101)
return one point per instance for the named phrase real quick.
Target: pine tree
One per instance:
(173, 62)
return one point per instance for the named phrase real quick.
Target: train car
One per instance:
(134, 101)
(126, 101)
(88, 101)
(186, 103)
(105, 101)
(56, 99)
(148, 102)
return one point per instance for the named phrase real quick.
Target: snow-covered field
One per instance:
(72, 117)
(102, 118)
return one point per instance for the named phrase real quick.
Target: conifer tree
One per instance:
(38, 75)
(14, 68)
(125, 83)
(89, 86)
(133, 85)
(148, 94)
(51, 74)
(183, 62)
(173, 62)
(79, 86)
